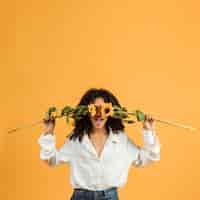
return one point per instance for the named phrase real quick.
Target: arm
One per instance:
(149, 153)
(50, 154)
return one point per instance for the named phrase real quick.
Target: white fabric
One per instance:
(89, 171)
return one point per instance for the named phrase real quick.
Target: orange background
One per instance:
(145, 52)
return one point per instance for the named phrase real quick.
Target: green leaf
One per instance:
(129, 121)
(51, 109)
(66, 110)
(115, 107)
(120, 114)
(140, 115)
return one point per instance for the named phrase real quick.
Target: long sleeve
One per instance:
(149, 153)
(49, 152)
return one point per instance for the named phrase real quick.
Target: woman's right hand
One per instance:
(49, 126)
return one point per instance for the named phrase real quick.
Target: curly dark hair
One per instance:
(84, 125)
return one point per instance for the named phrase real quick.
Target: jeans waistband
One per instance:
(96, 191)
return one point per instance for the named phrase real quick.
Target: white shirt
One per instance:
(89, 171)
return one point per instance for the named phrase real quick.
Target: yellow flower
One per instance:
(107, 110)
(92, 109)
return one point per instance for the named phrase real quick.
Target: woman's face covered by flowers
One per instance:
(97, 113)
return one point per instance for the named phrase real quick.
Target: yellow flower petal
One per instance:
(92, 109)
(107, 109)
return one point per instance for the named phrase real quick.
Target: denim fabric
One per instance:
(108, 194)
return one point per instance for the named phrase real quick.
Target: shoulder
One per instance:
(125, 138)
(122, 136)
(69, 141)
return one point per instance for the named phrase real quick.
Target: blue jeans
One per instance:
(84, 194)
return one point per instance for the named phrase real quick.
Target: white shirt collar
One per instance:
(113, 137)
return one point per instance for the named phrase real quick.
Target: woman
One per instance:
(98, 150)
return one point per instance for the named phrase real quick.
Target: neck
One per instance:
(99, 131)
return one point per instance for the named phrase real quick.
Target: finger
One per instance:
(45, 121)
(151, 118)
(49, 121)
(52, 119)
(147, 117)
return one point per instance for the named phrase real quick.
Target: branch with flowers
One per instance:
(106, 110)
(75, 114)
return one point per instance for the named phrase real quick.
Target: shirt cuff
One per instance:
(47, 146)
(149, 136)
(46, 139)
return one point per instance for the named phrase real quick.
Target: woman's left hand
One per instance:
(149, 122)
